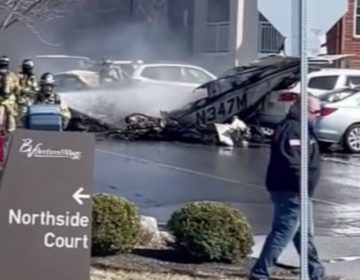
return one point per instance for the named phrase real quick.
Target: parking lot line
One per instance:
(198, 173)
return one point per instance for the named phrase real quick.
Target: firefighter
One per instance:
(28, 84)
(108, 73)
(9, 88)
(27, 79)
(47, 95)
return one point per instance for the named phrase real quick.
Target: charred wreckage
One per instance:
(233, 100)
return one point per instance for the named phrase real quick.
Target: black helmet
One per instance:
(4, 61)
(47, 79)
(27, 64)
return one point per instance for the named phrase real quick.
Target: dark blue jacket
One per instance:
(284, 172)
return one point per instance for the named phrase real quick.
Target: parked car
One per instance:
(61, 63)
(339, 120)
(277, 104)
(329, 78)
(172, 75)
(76, 80)
(167, 73)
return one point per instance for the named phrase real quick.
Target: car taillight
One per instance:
(288, 97)
(326, 111)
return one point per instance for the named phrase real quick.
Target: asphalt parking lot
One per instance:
(161, 177)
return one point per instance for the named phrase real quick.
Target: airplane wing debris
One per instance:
(236, 93)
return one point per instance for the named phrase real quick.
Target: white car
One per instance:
(61, 63)
(329, 79)
(277, 104)
(168, 73)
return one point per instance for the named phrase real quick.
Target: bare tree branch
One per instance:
(30, 12)
(39, 36)
(151, 9)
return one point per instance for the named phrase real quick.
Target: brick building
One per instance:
(344, 37)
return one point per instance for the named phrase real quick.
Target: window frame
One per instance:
(356, 18)
(217, 31)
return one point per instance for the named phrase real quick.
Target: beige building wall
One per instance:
(240, 33)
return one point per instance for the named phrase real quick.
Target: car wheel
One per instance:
(324, 146)
(352, 139)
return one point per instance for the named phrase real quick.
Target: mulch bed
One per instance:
(167, 260)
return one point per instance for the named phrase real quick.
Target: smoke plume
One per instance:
(145, 99)
(131, 41)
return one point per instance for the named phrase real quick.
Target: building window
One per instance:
(357, 18)
(217, 26)
(218, 11)
(216, 38)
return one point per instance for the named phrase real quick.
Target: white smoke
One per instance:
(144, 99)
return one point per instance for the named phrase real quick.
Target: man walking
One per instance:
(283, 183)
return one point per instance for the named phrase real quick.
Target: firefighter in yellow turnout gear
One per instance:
(28, 86)
(47, 95)
(9, 88)
(27, 80)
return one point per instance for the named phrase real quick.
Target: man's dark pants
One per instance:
(286, 227)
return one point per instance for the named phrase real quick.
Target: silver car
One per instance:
(339, 121)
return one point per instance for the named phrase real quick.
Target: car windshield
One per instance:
(338, 95)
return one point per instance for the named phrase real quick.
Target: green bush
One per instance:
(211, 231)
(115, 225)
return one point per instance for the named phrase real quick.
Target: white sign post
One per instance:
(304, 137)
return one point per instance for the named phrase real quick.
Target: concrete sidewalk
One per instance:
(341, 255)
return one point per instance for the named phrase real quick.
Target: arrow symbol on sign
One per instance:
(79, 196)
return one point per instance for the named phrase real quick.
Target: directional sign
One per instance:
(45, 206)
(79, 196)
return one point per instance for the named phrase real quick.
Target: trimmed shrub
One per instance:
(211, 231)
(115, 225)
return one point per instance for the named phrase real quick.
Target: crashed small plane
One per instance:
(237, 93)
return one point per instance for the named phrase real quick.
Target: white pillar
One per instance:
(244, 31)
(295, 28)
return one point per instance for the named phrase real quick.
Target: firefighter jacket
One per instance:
(28, 85)
(54, 99)
(9, 84)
